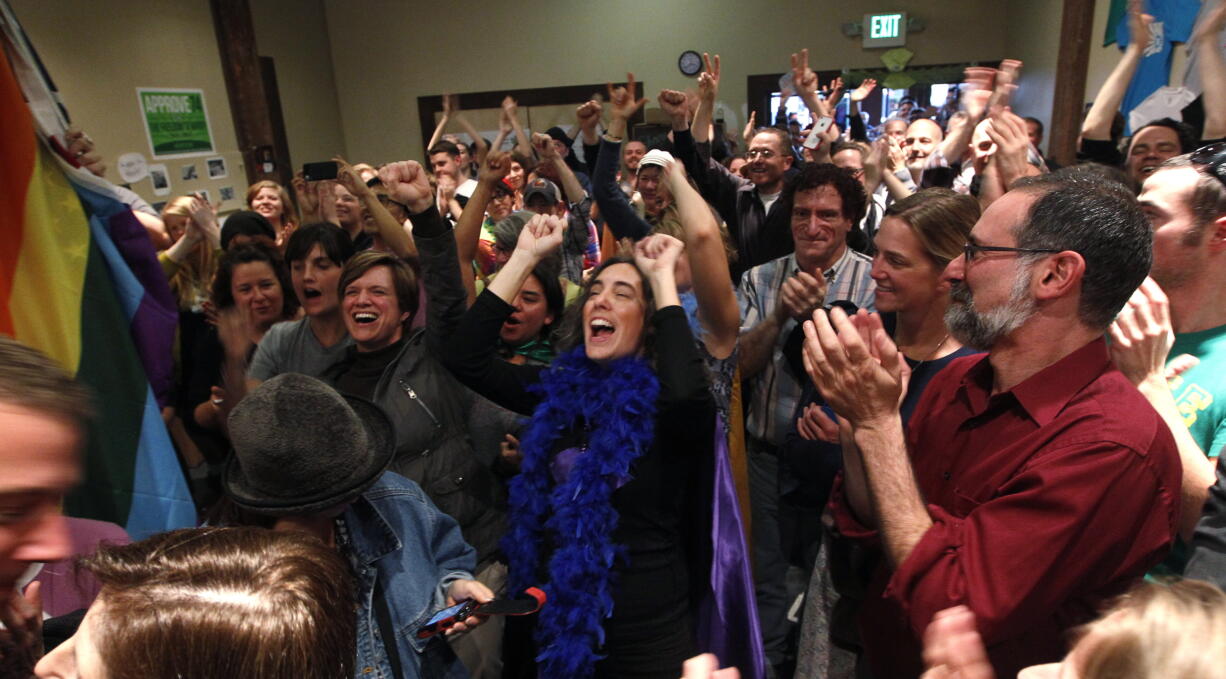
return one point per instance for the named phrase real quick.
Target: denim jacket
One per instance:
(399, 538)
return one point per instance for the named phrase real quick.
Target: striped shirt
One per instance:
(775, 390)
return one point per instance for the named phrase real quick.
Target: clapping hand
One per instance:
(510, 108)
(855, 365)
(1142, 336)
(1008, 131)
(800, 295)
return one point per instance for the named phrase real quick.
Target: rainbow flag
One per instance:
(79, 279)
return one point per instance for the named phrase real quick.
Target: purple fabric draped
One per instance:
(728, 614)
(151, 307)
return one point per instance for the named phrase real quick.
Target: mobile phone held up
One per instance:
(529, 601)
(314, 172)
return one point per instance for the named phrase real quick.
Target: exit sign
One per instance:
(885, 30)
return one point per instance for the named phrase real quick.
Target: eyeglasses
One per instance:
(970, 250)
(766, 154)
(1211, 160)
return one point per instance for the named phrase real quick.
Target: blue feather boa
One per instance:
(577, 517)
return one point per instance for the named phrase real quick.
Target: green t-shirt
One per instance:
(1200, 393)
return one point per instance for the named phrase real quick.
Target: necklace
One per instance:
(932, 353)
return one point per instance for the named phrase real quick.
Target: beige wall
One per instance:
(295, 34)
(151, 43)
(1033, 36)
(99, 53)
(388, 53)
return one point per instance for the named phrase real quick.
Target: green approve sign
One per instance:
(176, 121)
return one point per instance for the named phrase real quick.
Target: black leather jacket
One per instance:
(430, 409)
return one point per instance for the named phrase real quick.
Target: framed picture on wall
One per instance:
(217, 168)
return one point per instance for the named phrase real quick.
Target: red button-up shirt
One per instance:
(1045, 500)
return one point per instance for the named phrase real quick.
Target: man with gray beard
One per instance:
(1033, 482)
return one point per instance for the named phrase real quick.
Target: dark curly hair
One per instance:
(813, 175)
(223, 296)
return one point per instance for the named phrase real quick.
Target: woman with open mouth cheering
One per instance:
(601, 510)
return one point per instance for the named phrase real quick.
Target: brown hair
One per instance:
(214, 602)
(570, 330)
(28, 378)
(223, 295)
(940, 218)
(1208, 199)
(1155, 631)
(289, 211)
(403, 279)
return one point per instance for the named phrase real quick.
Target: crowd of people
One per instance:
(971, 403)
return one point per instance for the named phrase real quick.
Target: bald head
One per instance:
(923, 135)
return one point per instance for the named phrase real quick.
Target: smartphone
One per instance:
(446, 618)
(815, 135)
(529, 601)
(314, 172)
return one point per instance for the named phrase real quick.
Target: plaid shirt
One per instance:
(775, 390)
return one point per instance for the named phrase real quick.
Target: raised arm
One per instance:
(982, 90)
(1097, 124)
(1011, 160)
(470, 354)
(1212, 71)
(479, 147)
(504, 128)
(571, 187)
(587, 119)
(855, 123)
(1141, 339)
(448, 102)
(407, 183)
(510, 108)
(202, 226)
(468, 229)
(389, 229)
(804, 79)
(614, 206)
(679, 364)
(708, 89)
(708, 260)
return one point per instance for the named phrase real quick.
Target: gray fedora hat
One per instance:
(301, 447)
